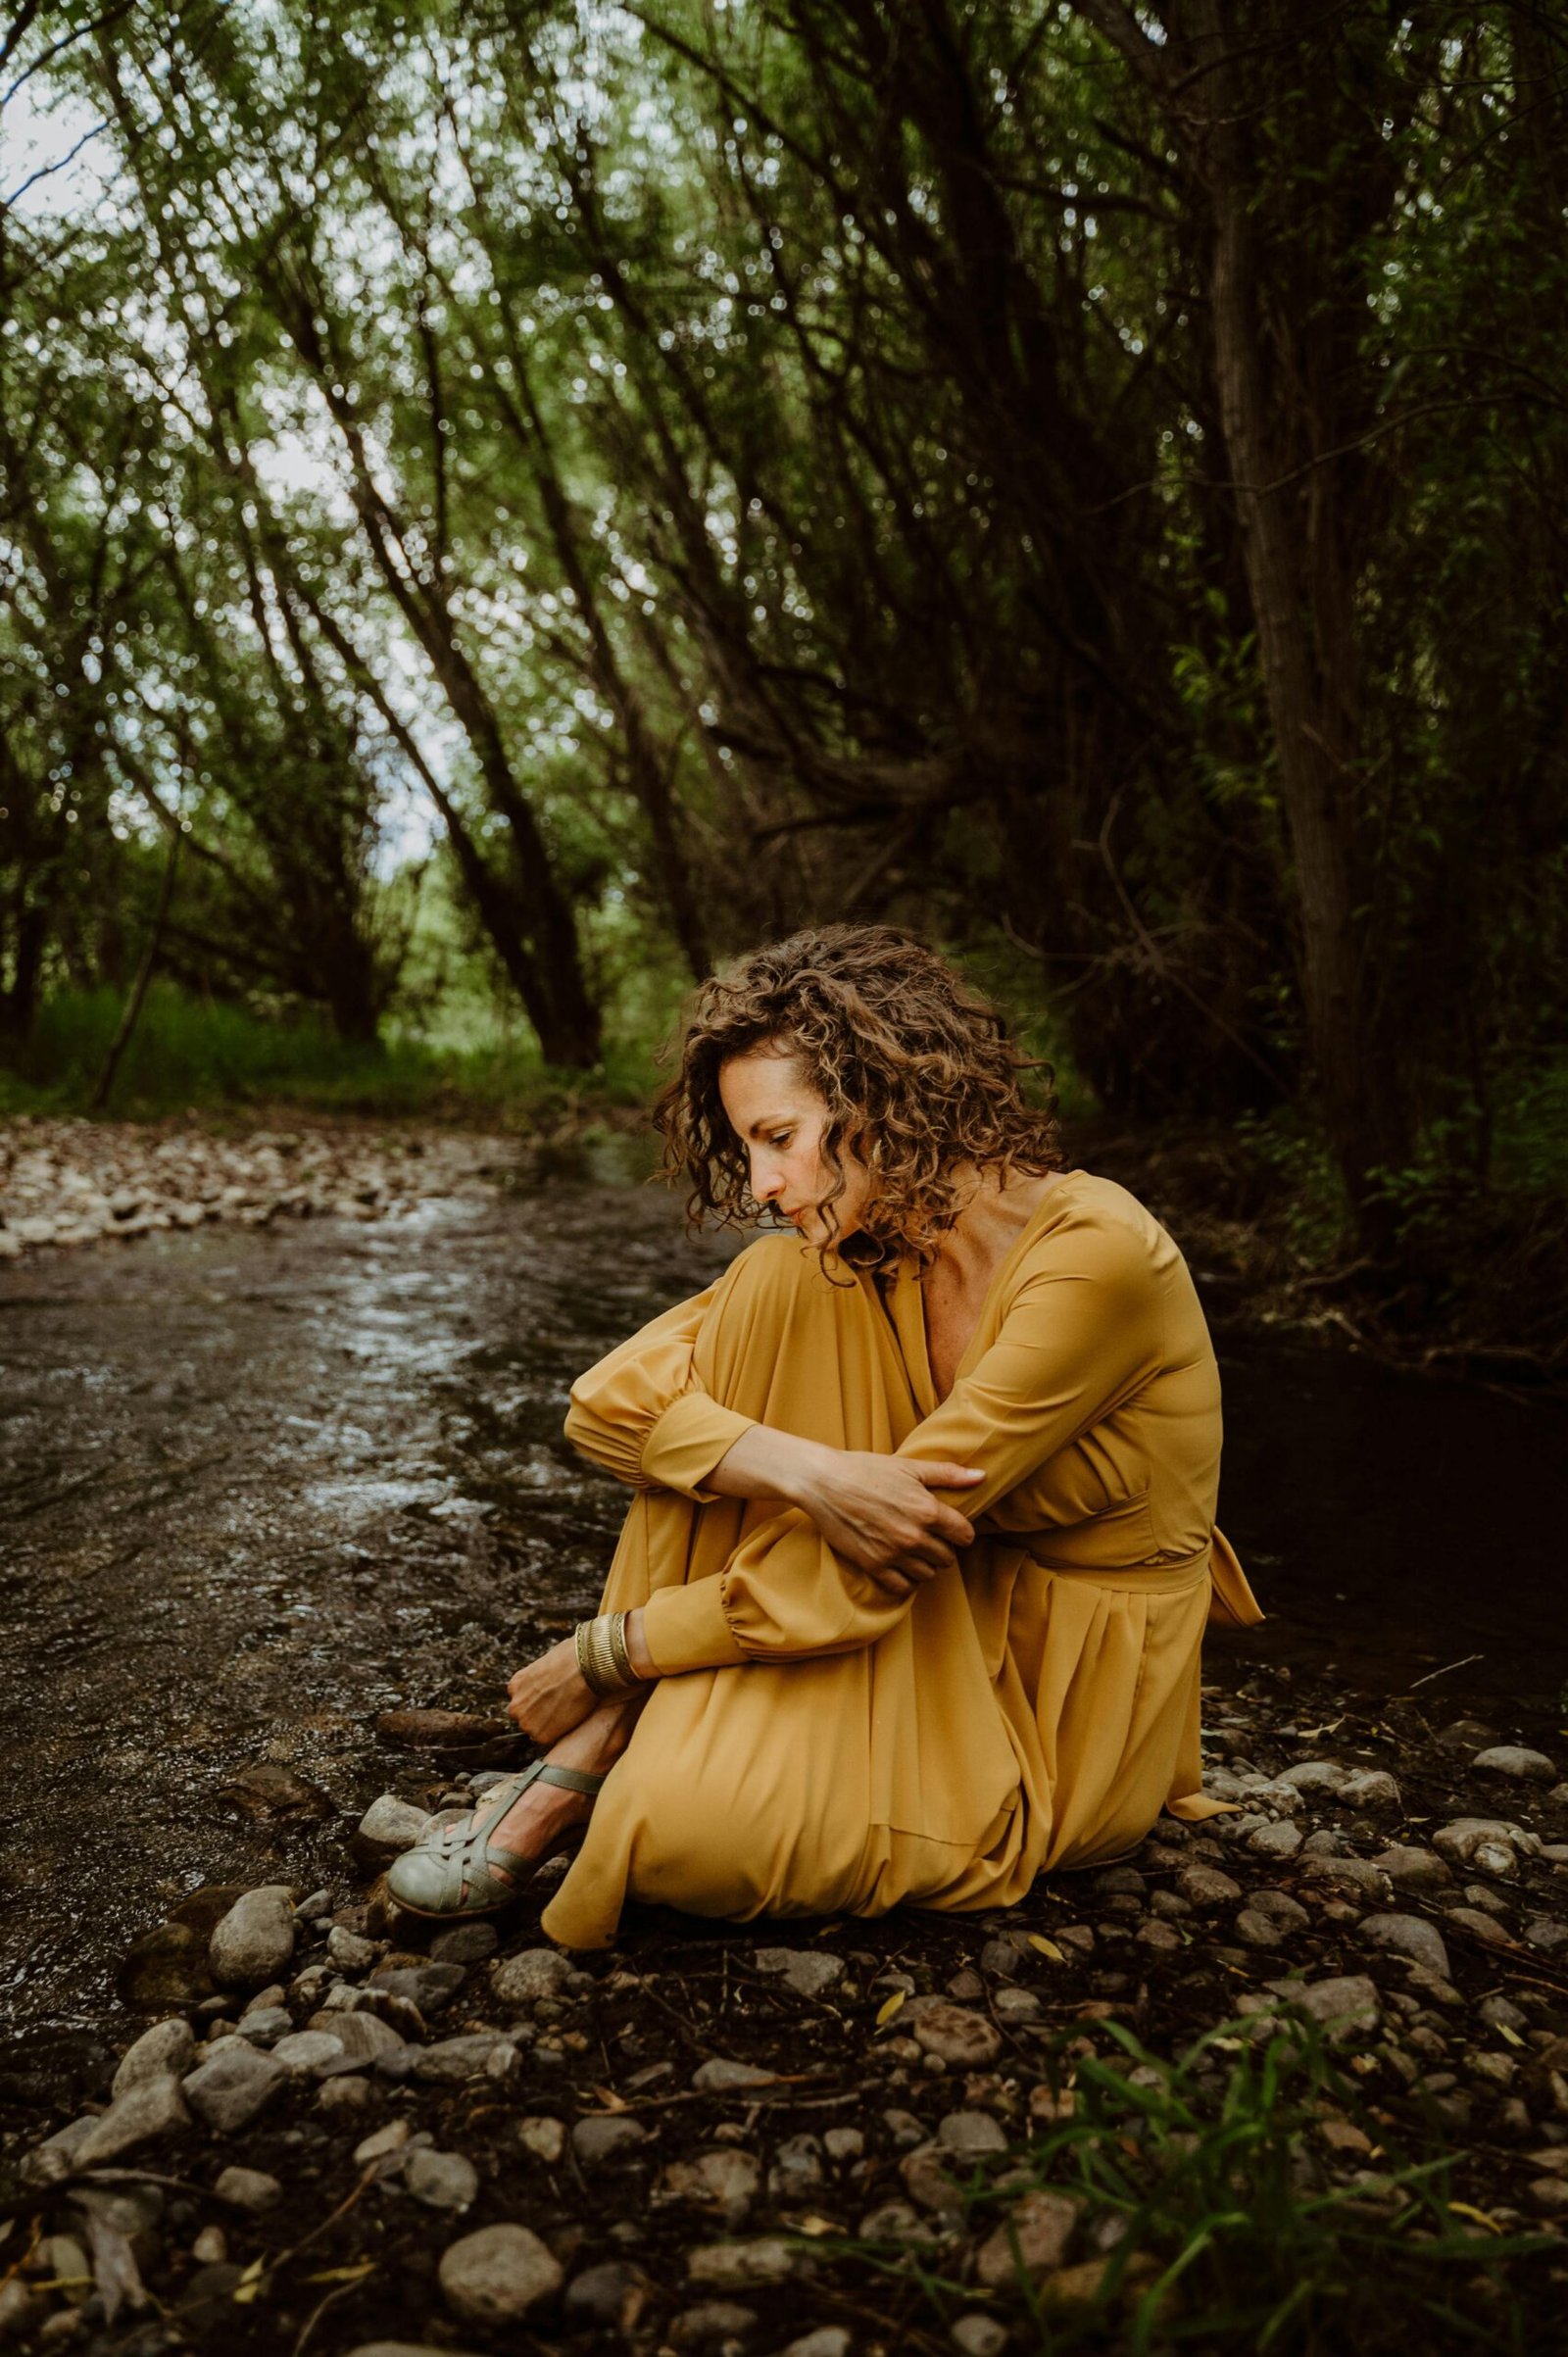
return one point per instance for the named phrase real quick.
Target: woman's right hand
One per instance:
(878, 1513)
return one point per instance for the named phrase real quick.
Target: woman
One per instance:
(909, 1601)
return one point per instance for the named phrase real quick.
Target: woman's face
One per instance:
(779, 1118)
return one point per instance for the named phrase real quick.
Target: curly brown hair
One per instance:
(916, 1069)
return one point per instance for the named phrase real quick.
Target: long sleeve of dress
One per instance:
(1083, 1329)
(643, 1412)
(1083, 1332)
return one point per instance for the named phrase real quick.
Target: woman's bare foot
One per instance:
(535, 1823)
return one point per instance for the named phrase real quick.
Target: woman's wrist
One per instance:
(768, 1463)
(642, 1661)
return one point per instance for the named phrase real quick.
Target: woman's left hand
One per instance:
(550, 1696)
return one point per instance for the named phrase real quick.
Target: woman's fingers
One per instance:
(944, 1476)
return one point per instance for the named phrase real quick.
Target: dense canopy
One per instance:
(1086, 481)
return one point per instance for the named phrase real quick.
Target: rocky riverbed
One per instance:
(272, 1488)
(344, 2128)
(67, 1183)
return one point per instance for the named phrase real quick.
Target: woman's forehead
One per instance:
(763, 1083)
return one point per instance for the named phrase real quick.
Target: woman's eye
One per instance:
(783, 1140)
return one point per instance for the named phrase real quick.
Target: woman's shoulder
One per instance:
(1094, 1227)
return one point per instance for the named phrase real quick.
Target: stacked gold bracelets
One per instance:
(602, 1660)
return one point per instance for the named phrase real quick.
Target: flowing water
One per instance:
(258, 1486)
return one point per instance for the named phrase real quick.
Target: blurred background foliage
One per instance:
(503, 503)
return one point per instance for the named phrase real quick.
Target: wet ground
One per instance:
(258, 1486)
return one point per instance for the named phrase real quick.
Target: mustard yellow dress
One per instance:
(813, 1745)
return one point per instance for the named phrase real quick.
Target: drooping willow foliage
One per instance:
(1087, 477)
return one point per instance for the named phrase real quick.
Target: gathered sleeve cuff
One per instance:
(643, 1414)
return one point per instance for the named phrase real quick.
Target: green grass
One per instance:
(1228, 2233)
(202, 1055)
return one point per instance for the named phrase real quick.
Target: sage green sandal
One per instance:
(452, 1870)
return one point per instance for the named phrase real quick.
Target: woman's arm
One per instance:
(876, 1512)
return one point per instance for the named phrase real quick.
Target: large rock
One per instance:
(496, 2275)
(1032, 2241)
(1410, 1868)
(255, 1940)
(1409, 1936)
(719, 2075)
(166, 2048)
(228, 2090)
(364, 2036)
(154, 2107)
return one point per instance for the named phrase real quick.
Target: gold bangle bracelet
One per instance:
(603, 1659)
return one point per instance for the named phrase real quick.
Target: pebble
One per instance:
(442, 2180)
(248, 2190)
(709, 2320)
(724, 2177)
(17, 2310)
(926, 2180)
(1349, 1874)
(595, 2139)
(349, 1951)
(306, 2051)
(1044, 2225)
(843, 2144)
(1205, 1888)
(719, 2075)
(228, 2090)
(956, 2036)
(1017, 2005)
(466, 1943)
(723, 2266)
(1321, 1779)
(1345, 2007)
(828, 2341)
(810, 1972)
(255, 1939)
(382, 2145)
(389, 1826)
(1409, 1936)
(1270, 1919)
(1491, 1844)
(1501, 2013)
(1158, 1934)
(453, 2059)
(544, 2137)
(898, 2221)
(1409, 1868)
(534, 1973)
(1481, 1926)
(1370, 1789)
(264, 2025)
(970, 2131)
(167, 2047)
(1547, 1932)
(362, 2034)
(1517, 1762)
(1281, 1841)
(798, 2171)
(155, 2107)
(428, 1987)
(496, 2275)
(599, 2295)
(979, 2336)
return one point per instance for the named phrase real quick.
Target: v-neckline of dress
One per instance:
(908, 1307)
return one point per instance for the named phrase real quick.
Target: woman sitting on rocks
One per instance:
(909, 1601)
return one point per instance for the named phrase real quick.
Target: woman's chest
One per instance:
(951, 1311)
